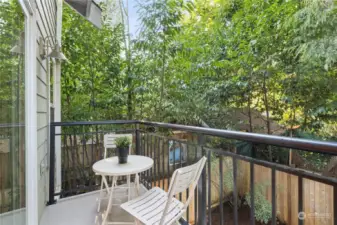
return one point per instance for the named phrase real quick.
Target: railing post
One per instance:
(334, 215)
(138, 147)
(301, 215)
(52, 166)
(202, 190)
(202, 198)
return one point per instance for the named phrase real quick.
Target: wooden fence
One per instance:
(318, 197)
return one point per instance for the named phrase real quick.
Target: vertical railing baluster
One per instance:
(73, 162)
(143, 144)
(83, 149)
(174, 156)
(89, 165)
(138, 144)
(52, 166)
(162, 152)
(101, 149)
(235, 190)
(77, 160)
(209, 167)
(155, 162)
(92, 151)
(146, 154)
(221, 191)
(273, 193)
(188, 207)
(202, 193)
(180, 156)
(196, 192)
(159, 161)
(252, 194)
(334, 215)
(143, 154)
(168, 165)
(67, 170)
(300, 199)
(84, 152)
(187, 190)
(150, 154)
(152, 170)
(63, 155)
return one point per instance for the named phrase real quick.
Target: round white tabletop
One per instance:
(111, 167)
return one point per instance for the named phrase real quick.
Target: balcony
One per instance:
(238, 185)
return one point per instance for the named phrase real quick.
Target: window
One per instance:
(12, 110)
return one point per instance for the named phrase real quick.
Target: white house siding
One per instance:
(46, 11)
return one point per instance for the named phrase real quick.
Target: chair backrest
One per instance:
(109, 141)
(182, 179)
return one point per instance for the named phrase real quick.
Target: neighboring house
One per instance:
(36, 37)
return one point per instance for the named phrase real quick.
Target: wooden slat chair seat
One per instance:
(157, 207)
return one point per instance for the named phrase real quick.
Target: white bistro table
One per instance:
(110, 167)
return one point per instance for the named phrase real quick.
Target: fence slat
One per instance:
(273, 188)
(252, 194)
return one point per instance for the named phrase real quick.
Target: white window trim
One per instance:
(57, 100)
(32, 217)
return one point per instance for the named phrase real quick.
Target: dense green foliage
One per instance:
(263, 208)
(12, 65)
(195, 61)
(92, 87)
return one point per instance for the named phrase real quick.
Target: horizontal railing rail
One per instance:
(106, 122)
(171, 152)
(296, 143)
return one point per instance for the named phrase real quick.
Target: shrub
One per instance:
(263, 208)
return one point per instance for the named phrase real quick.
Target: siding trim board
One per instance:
(46, 28)
(32, 193)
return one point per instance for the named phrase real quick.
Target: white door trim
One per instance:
(32, 217)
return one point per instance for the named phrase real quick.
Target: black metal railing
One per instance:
(232, 177)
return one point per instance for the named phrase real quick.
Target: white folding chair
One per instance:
(109, 143)
(157, 207)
